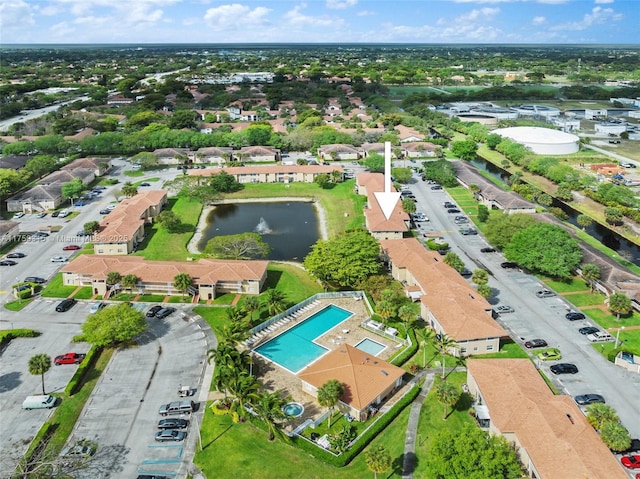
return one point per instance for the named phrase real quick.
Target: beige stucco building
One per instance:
(272, 173)
(375, 220)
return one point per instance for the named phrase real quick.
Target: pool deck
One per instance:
(274, 377)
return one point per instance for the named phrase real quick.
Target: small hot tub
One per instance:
(293, 409)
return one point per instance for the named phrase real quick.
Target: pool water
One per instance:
(370, 346)
(295, 348)
(293, 409)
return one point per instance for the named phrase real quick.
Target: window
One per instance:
(490, 348)
(463, 350)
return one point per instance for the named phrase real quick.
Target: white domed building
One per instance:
(541, 141)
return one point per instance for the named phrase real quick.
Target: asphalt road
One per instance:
(535, 317)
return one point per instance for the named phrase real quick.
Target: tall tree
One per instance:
(129, 189)
(73, 189)
(447, 394)
(113, 277)
(480, 276)
(345, 260)
(584, 221)
(453, 260)
(114, 325)
(599, 414)
(485, 291)
(378, 459)
(39, 365)
(276, 302)
(251, 304)
(619, 303)
(182, 282)
(91, 227)
(615, 436)
(268, 406)
(442, 343)
(239, 246)
(130, 281)
(407, 315)
(591, 274)
(329, 395)
(386, 309)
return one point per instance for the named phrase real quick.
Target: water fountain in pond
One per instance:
(263, 227)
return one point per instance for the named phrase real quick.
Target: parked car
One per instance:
(552, 354)
(508, 265)
(564, 368)
(105, 212)
(65, 305)
(83, 233)
(71, 247)
(536, 343)
(545, 293)
(35, 279)
(40, 234)
(164, 312)
(466, 273)
(16, 255)
(600, 337)
(588, 330)
(59, 259)
(95, 307)
(631, 462)
(64, 213)
(586, 399)
(153, 310)
(436, 187)
(448, 204)
(55, 214)
(80, 203)
(574, 316)
(488, 249)
(18, 215)
(173, 423)
(453, 210)
(8, 262)
(504, 309)
(41, 215)
(170, 435)
(69, 358)
(145, 184)
(79, 450)
(460, 220)
(468, 231)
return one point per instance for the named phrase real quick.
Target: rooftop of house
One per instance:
(377, 222)
(552, 429)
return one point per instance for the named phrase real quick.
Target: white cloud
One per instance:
(538, 21)
(604, 1)
(15, 17)
(295, 18)
(598, 16)
(233, 15)
(340, 4)
(365, 13)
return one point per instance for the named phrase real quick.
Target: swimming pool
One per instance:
(295, 348)
(370, 346)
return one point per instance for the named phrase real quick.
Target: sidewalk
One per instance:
(409, 462)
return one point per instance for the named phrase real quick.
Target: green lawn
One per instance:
(162, 245)
(508, 349)
(55, 288)
(608, 320)
(151, 298)
(575, 284)
(585, 299)
(17, 304)
(84, 293)
(230, 448)
(629, 338)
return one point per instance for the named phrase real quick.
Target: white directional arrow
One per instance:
(387, 199)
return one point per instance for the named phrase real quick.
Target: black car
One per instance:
(55, 214)
(564, 368)
(588, 330)
(16, 255)
(466, 273)
(173, 423)
(453, 210)
(508, 265)
(145, 184)
(574, 316)
(164, 312)
(105, 212)
(35, 279)
(448, 204)
(436, 187)
(65, 305)
(488, 250)
(586, 399)
(153, 310)
(8, 262)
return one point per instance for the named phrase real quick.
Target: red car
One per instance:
(71, 247)
(69, 358)
(631, 462)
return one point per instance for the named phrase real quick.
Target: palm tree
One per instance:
(447, 394)
(591, 274)
(182, 282)
(275, 301)
(236, 330)
(269, 407)
(386, 309)
(485, 290)
(378, 459)
(129, 281)
(128, 189)
(425, 335)
(242, 386)
(453, 260)
(442, 343)
(600, 414)
(619, 304)
(251, 304)
(40, 364)
(406, 314)
(329, 395)
(113, 277)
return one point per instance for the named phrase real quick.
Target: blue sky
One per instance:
(320, 21)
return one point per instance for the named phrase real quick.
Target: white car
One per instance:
(19, 215)
(599, 337)
(59, 259)
(503, 309)
(64, 214)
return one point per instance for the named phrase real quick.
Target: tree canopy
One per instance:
(545, 248)
(473, 454)
(345, 260)
(115, 324)
(239, 246)
(501, 228)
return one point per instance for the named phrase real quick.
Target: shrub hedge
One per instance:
(9, 334)
(77, 380)
(408, 353)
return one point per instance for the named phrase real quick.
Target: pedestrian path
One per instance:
(409, 462)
